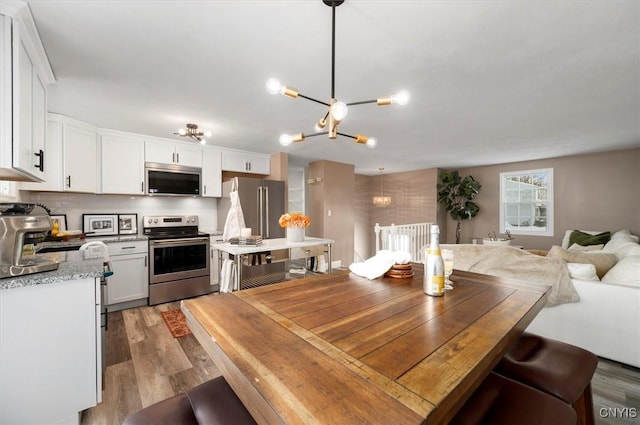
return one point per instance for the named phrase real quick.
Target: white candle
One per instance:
(245, 232)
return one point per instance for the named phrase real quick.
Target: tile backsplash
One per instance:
(76, 204)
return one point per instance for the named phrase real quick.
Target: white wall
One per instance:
(76, 204)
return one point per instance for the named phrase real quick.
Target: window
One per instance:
(526, 202)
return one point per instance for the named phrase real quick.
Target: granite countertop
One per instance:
(73, 265)
(79, 242)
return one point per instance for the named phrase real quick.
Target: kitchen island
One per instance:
(239, 252)
(50, 341)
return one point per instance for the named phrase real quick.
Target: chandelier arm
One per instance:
(362, 102)
(347, 135)
(313, 100)
(322, 133)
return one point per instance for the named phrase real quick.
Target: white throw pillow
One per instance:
(625, 234)
(582, 271)
(625, 272)
(590, 248)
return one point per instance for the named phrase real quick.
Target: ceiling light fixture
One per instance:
(381, 201)
(192, 131)
(337, 110)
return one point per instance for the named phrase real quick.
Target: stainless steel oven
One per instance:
(179, 258)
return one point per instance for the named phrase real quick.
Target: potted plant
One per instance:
(456, 195)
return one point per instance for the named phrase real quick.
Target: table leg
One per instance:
(330, 261)
(238, 264)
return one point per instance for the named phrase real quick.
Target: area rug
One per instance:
(176, 322)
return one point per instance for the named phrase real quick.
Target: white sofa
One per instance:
(606, 320)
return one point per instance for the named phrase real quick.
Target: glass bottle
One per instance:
(434, 266)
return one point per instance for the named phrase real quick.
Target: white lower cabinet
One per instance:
(50, 352)
(130, 279)
(214, 266)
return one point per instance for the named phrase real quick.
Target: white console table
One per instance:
(239, 251)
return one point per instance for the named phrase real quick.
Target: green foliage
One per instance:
(456, 194)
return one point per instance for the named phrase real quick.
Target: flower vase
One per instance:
(295, 234)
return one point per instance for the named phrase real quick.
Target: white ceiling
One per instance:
(491, 81)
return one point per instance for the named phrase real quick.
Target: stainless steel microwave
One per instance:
(170, 179)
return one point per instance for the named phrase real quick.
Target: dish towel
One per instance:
(226, 276)
(379, 264)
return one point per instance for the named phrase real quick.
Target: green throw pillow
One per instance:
(585, 239)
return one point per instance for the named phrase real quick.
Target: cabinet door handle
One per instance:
(173, 157)
(69, 182)
(205, 189)
(128, 247)
(178, 157)
(142, 187)
(145, 261)
(40, 164)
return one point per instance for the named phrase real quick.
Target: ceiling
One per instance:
(491, 81)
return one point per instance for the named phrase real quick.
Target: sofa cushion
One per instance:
(584, 239)
(583, 271)
(584, 248)
(602, 261)
(623, 244)
(567, 235)
(625, 272)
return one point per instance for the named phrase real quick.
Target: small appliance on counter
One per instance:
(18, 224)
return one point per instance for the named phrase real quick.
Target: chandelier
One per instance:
(336, 109)
(381, 201)
(192, 132)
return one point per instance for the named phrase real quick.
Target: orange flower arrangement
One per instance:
(294, 220)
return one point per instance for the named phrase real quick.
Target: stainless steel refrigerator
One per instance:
(262, 203)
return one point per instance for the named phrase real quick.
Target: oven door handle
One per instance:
(180, 241)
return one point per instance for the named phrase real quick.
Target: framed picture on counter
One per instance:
(127, 224)
(100, 224)
(61, 219)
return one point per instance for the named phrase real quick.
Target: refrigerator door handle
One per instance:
(267, 216)
(260, 211)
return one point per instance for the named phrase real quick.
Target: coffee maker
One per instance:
(17, 224)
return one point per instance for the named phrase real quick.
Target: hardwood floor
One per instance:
(145, 364)
(616, 394)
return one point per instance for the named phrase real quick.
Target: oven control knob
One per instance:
(155, 220)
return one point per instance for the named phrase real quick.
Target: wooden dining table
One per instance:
(343, 349)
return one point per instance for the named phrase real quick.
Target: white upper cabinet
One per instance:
(24, 75)
(80, 157)
(122, 163)
(165, 152)
(246, 162)
(71, 162)
(211, 173)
